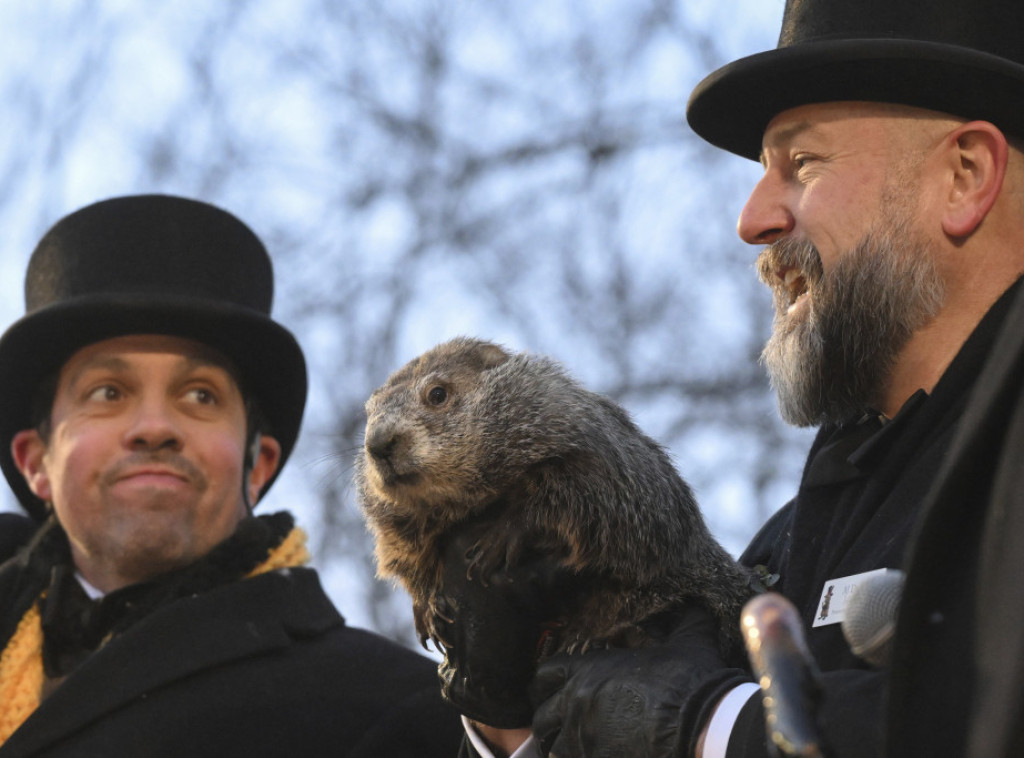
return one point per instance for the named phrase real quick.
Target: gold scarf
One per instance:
(21, 663)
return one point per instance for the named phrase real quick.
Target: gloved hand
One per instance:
(492, 629)
(648, 701)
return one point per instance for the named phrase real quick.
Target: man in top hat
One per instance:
(149, 402)
(891, 216)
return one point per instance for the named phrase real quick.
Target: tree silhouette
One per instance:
(516, 171)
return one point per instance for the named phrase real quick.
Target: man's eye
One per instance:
(105, 394)
(802, 159)
(201, 396)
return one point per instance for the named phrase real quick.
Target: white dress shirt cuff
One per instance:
(717, 740)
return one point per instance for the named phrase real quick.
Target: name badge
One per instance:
(834, 595)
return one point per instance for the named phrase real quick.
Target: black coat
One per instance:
(260, 667)
(958, 673)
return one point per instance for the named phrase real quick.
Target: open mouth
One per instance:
(794, 286)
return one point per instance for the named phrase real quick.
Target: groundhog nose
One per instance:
(380, 443)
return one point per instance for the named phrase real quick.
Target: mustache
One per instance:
(786, 254)
(170, 461)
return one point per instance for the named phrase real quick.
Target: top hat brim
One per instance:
(266, 355)
(732, 106)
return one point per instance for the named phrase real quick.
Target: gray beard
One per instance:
(835, 358)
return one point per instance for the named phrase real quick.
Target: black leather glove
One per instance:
(493, 628)
(648, 701)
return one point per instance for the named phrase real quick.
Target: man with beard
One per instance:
(149, 401)
(892, 215)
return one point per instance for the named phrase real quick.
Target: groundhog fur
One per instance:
(469, 430)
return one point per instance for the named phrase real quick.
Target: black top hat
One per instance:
(149, 264)
(961, 57)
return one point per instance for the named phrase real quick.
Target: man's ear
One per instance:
(978, 155)
(267, 454)
(28, 449)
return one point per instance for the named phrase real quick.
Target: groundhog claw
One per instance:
(499, 549)
(432, 618)
(444, 611)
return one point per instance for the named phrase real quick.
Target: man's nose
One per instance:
(765, 217)
(153, 426)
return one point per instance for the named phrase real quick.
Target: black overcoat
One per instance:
(957, 684)
(260, 667)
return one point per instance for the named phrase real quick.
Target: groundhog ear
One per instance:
(492, 356)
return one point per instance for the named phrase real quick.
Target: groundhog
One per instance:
(470, 431)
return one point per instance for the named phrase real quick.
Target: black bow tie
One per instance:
(75, 626)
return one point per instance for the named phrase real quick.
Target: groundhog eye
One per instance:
(437, 395)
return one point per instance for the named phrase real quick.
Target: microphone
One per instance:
(869, 618)
(787, 673)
